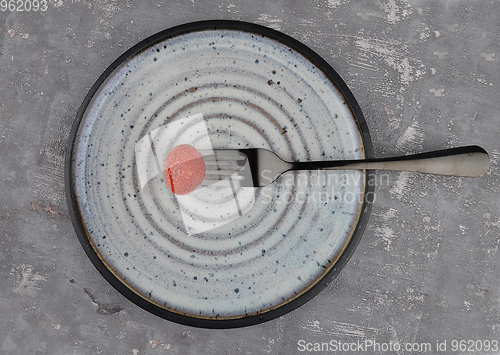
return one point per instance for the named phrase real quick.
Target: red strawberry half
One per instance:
(184, 169)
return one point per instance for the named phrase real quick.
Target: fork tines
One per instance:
(223, 166)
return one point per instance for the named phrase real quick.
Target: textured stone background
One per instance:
(426, 74)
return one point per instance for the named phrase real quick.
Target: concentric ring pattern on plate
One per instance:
(252, 91)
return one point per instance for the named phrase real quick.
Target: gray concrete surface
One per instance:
(426, 74)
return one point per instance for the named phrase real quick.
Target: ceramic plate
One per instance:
(221, 256)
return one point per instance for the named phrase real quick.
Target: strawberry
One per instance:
(184, 169)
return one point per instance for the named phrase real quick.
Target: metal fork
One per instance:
(256, 167)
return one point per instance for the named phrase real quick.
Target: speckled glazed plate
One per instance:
(193, 259)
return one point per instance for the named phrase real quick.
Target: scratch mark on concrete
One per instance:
(399, 187)
(51, 210)
(27, 280)
(48, 176)
(313, 327)
(425, 34)
(4, 114)
(468, 305)
(384, 232)
(104, 308)
(489, 57)
(105, 11)
(34, 205)
(405, 69)
(391, 213)
(392, 9)
(393, 53)
(411, 139)
(483, 80)
(489, 224)
(394, 121)
(334, 328)
(393, 332)
(494, 163)
(387, 234)
(12, 33)
(271, 21)
(441, 55)
(333, 4)
(395, 12)
(155, 343)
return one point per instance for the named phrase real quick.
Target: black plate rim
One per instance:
(357, 234)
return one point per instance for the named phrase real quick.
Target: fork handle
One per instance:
(468, 161)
